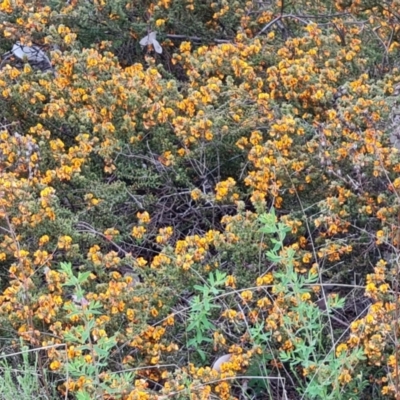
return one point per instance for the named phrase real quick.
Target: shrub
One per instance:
(233, 197)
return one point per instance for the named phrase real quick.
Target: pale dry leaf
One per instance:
(157, 47)
(148, 39)
(151, 39)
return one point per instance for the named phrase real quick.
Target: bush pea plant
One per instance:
(199, 199)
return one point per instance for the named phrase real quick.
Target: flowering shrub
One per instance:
(217, 217)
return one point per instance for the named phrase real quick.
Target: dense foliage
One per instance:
(217, 220)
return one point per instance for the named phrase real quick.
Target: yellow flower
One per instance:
(371, 289)
(88, 358)
(267, 279)
(247, 295)
(160, 22)
(41, 257)
(345, 377)
(166, 158)
(71, 352)
(170, 320)
(287, 346)
(144, 217)
(305, 296)
(307, 258)
(230, 281)
(154, 312)
(164, 235)
(130, 314)
(110, 233)
(69, 38)
(185, 46)
(181, 152)
(230, 314)
(62, 29)
(55, 365)
(223, 188)
(138, 232)
(43, 240)
(141, 262)
(195, 194)
(64, 242)
(384, 288)
(93, 201)
(341, 349)
(380, 236)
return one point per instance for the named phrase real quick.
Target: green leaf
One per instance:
(193, 325)
(83, 395)
(83, 276)
(202, 354)
(273, 257)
